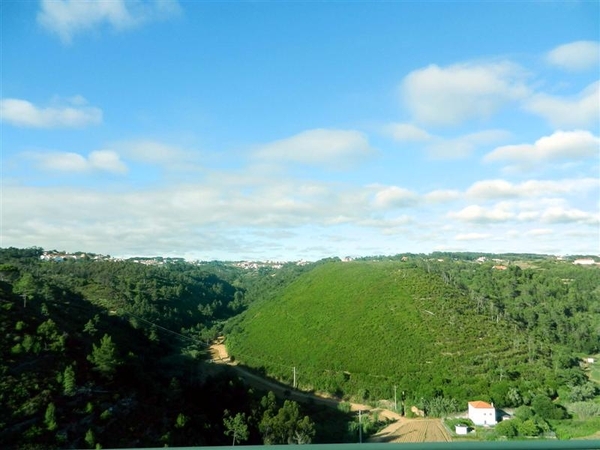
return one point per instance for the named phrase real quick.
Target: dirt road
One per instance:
(402, 430)
(219, 355)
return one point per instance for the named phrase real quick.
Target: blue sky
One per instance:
(300, 130)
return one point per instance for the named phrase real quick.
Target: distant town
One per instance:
(58, 256)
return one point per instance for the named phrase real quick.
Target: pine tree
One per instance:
(50, 417)
(69, 385)
(104, 357)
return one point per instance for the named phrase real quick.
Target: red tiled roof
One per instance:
(480, 404)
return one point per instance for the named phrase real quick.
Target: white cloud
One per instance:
(545, 210)
(439, 147)
(561, 145)
(442, 196)
(577, 111)
(22, 113)
(540, 232)
(152, 152)
(394, 197)
(100, 160)
(463, 146)
(334, 148)
(451, 95)
(66, 18)
(478, 214)
(494, 189)
(407, 132)
(576, 56)
(472, 236)
(557, 214)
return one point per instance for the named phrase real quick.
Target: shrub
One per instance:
(508, 428)
(585, 410)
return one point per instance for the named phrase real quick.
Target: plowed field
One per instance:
(420, 430)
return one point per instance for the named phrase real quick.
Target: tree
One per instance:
(182, 420)
(90, 439)
(69, 385)
(528, 428)
(286, 427)
(546, 409)
(50, 417)
(508, 428)
(26, 287)
(583, 392)
(104, 357)
(524, 412)
(236, 426)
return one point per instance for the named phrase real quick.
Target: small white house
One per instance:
(482, 413)
(590, 360)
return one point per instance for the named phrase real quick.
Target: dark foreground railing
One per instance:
(495, 445)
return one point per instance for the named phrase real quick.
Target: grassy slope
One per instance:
(384, 323)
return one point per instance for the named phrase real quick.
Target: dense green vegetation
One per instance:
(102, 353)
(433, 327)
(98, 352)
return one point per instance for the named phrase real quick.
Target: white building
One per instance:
(585, 262)
(482, 413)
(461, 429)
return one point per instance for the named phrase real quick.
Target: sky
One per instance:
(284, 130)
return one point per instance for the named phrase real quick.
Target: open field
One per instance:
(414, 430)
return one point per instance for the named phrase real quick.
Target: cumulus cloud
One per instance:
(496, 189)
(66, 18)
(99, 160)
(478, 214)
(575, 56)
(545, 210)
(394, 197)
(451, 95)
(332, 148)
(561, 145)
(558, 214)
(576, 111)
(75, 114)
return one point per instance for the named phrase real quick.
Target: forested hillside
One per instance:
(104, 352)
(432, 327)
(109, 353)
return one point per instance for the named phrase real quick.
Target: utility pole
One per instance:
(294, 378)
(360, 426)
(395, 400)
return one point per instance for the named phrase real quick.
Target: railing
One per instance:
(494, 445)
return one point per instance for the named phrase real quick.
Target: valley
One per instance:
(122, 353)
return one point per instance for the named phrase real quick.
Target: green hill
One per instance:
(361, 328)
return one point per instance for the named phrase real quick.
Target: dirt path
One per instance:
(219, 355)
(402, 430)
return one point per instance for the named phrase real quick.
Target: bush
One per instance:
(524, 412)
(508, 428)
(528, 428)
(546, 409)
(585, 410)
